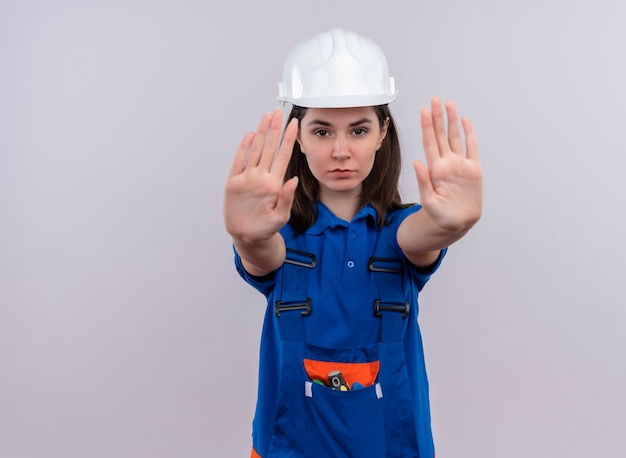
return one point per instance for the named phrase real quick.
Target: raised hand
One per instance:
(451, 185)
(256, 201)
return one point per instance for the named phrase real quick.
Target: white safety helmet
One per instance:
(336, 69)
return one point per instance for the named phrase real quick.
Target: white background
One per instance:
(124, 329)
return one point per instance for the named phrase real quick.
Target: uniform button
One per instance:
(353, 235)
(351, 264)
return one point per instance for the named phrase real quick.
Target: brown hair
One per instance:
(380, 188)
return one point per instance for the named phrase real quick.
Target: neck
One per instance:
(342, 206)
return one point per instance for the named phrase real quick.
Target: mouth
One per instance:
(342, 172)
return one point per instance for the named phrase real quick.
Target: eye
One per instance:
(321, 133)
(359, 131)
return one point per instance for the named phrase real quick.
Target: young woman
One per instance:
(319, 228)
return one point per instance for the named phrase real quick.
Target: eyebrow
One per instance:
(320, 122)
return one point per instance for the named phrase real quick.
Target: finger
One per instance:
(471, 144)
(424, 183)
(286, 196)
(254, 152)
(439, 126)
(431, 148)
(271, 140)
(239, 161)
(455, 139)
(281, 161)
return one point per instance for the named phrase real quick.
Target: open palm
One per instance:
(451, 184)
(257, 202)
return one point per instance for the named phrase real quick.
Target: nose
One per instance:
(340, 149)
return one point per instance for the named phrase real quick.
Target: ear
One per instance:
(383, 133)
(300, 143)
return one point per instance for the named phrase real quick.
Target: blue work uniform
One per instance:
(345, 298)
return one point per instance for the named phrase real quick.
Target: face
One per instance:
(340, 146)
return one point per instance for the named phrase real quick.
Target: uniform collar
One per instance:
(327, 219)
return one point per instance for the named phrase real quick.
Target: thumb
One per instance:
(286, 195)
(424, 182)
